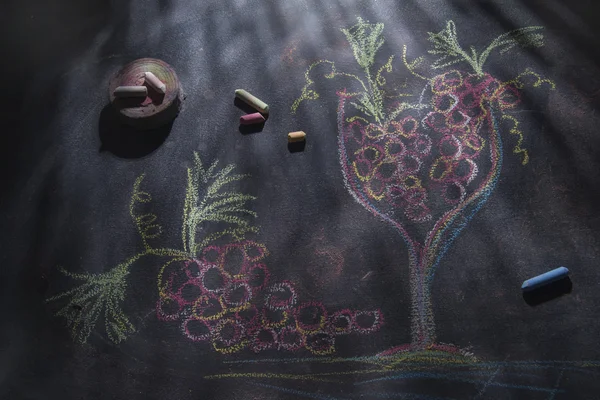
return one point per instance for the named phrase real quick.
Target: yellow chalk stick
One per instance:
(252, 101)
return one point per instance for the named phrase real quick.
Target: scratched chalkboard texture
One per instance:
(452, 152)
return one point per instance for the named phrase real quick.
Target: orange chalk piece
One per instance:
(131, 91)
(251, 119)
(298, 136)
(155, 83)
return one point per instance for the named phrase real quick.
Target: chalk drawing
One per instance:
(423, 162)
(216, 286)
(354, 374)
(427, 163)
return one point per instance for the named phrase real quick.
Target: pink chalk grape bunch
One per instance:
(417, 164)
(226, 298)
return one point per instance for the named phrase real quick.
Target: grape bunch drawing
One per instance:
(425, 162)
(226, 297)
(216, 285)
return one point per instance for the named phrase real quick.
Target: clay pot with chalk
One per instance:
(146, 93)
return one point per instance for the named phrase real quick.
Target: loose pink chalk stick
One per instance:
(250, 119)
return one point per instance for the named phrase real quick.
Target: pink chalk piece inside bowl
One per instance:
(154, 110)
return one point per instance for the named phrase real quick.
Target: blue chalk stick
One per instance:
(544, 279)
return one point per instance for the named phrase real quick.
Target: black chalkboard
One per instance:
(451, 153)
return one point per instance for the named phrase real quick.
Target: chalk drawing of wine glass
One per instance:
(426, 167)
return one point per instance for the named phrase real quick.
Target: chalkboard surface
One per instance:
(451, 153)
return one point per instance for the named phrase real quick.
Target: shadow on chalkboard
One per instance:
(250, 129)
(125, 141)
(296, 147)
(243, 106)
(548, 292)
